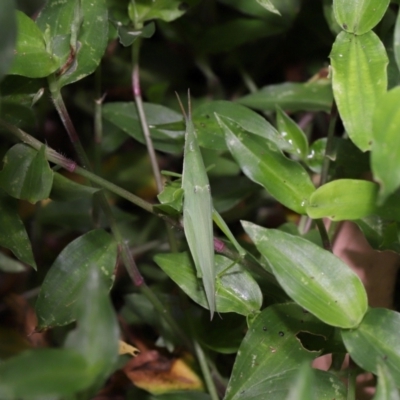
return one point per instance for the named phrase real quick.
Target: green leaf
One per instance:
(236, 290)
(385, 153)
(31, 58)
(167, 10)
(13, 234)
(271, 354)
(64, 189)
(97, 334)
(380, 233)
(43, 372)
(127, 35)
(303, 385)
(8, 34)
(262, 162)
(359, 17)
(379, 333)
(314, 278)
(61, 287)
(26, 174)
(287, 10)
(292, 134)
(359, 79)
(10, 265)
(210, 134)
(267, 4)
(386, 388)
(343, 199)
(312, 96)
(396, 41)
(125, 116)
(78, 33)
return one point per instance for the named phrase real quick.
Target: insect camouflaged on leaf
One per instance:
(197, 210)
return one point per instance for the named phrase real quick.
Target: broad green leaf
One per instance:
(316, 155)
(97, 334)
(61, 287)
(343, 199)
(379, 333)
(127, 35)
(64, 189)
(197, 212)
(292, 134)
(125, 116)
(39, 373)
(311, 96)
(236, 290)
(381, 234)
(386, 388)
(31, 58)
(262, 162)
(359, 17)
(10, 265)
(78, 33)
(55, 20)
(396, 41)
(267, 4)
(271, 354)
(26, 174)
(8, 35)
(385, 149)
(13, 234)
(210, 134)
(314, 278)
(330, 17)
(359, 79)
(167, 10)
(303, 385)
(287, 10)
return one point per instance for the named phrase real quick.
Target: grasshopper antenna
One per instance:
(181, 106)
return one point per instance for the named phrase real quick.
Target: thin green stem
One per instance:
(329, 144)
(324, 234)
(137, 94)
(98, 136)
(212, 390)
(351, 382)
(67, 122)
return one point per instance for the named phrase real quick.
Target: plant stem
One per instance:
(137, 94)
(71, 166)
(98, 136)
(324, 234)
(351, 381)
(206, 371)
(67, 122)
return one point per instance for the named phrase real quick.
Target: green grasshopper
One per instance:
(198, 209)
